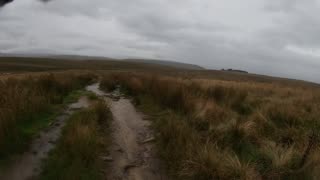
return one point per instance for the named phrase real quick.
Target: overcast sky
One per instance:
(273, 37)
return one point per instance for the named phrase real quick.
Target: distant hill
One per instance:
(148, 62)
(235, 70)
(36, 62)
(52, 56)
(21, 63)
(174, 64)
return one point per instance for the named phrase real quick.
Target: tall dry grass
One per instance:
(230, 130)
(24, 101)
(83, 141)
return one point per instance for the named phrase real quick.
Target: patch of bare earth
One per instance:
(132, 153)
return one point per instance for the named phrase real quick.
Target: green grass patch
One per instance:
(74, 96)
(38, 122)
(32, 124)
(27, 130)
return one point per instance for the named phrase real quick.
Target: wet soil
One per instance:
(27, 165)
(131, 155)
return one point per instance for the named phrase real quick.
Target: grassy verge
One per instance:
(83, 140)
(29, 104)
(172, 149)
(212, 129)
(42, 120)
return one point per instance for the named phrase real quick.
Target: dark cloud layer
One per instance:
(273, 37)
(4, 2)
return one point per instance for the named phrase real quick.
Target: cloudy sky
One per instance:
(273, 37)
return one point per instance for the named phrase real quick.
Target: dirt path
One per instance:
(132, 153)
(28, 164)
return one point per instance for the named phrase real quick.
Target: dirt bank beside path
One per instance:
(132, 153)
(28, 165)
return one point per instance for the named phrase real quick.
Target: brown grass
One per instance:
(230, 129)
(83, 141)
(26, 102)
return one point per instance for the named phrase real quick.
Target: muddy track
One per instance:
(28, 165)
(132, 154)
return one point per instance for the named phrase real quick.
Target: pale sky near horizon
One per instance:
(272, 37)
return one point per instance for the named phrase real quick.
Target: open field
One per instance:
(215, 129)
(20, 65)
(207, 124)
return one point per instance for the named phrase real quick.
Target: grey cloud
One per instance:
(4, 2)
(281, 5)
(248, 35)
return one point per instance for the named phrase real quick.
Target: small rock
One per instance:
(108, 96)
(129, 166)
(34, 152)
(46, 129)
(65, 113)
(118, 149)
(151, 139)
(102, 171)
(106, 158)
(75, 108)
(52, 141)
(116, 98)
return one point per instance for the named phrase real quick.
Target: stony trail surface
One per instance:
(132, 154)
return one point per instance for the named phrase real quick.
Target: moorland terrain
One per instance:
(89, 118)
